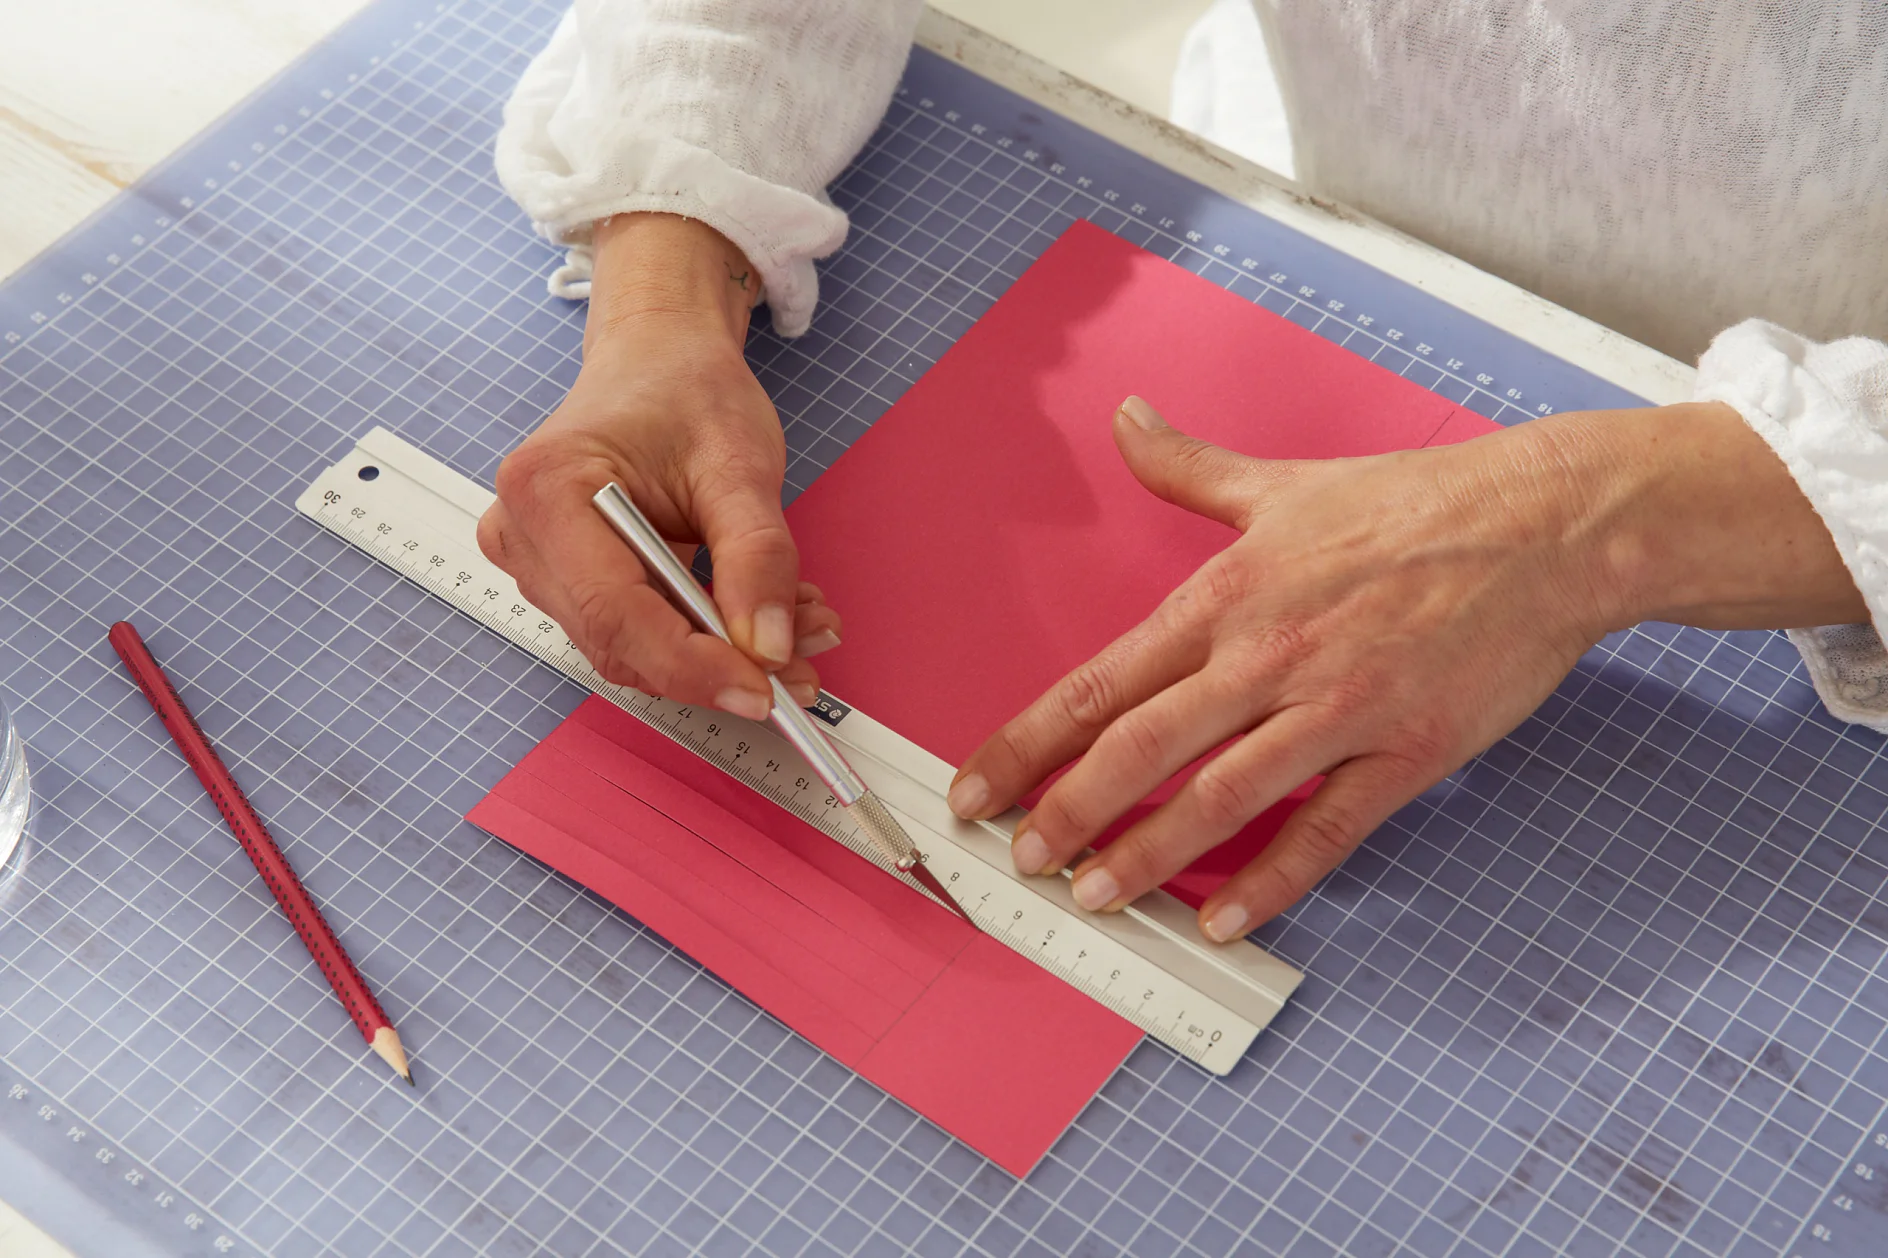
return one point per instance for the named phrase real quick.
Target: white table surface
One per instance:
(93, 93)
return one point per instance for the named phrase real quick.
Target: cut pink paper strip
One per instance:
(982, 539)
(993, 1049)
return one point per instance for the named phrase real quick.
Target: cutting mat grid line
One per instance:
(1526, 1088)
(167, 748)
(1617, 985)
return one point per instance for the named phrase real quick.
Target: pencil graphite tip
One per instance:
(407, 1074)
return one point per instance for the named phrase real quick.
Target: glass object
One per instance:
(14, 794)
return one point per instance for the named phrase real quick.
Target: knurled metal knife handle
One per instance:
(787, 716)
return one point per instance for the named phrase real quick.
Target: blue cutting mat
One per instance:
(1616, 986)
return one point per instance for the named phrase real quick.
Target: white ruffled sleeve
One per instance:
(1823, 407)
(734, 112)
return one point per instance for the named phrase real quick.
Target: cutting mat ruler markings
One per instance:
(1855, 1208)
(1207, 1002)
(79, 1151)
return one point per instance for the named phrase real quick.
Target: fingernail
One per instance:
(1143, 415)
(1227, 922)
(1096, 889)
(1029, 852)
(754, 707)
(804, 693)
(773, 633)
(969, 796)
(813, 643)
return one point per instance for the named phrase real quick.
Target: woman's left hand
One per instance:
(1380, 621)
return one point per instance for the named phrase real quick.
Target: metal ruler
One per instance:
(1148, 963)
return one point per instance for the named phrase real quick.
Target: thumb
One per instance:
(1204, 478)
(757, 569)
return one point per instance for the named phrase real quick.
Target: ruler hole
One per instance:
(368, 472)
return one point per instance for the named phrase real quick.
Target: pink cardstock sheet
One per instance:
(985, 537)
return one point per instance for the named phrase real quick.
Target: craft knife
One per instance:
(792, 721)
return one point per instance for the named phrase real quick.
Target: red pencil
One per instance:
(255, 838)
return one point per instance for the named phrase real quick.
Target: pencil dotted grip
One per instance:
(255, 838)
(298, 904)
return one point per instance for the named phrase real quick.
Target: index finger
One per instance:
(1354, 799)
(625, 626)
(1071, 714)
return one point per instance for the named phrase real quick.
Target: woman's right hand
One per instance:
(666, 406)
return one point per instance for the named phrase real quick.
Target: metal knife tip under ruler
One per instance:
(787, 716)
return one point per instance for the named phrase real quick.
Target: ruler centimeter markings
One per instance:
(1148, 962)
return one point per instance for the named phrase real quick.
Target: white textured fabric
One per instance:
(1224, 89)
(734, 112)
(1824, 409)
(1667, 167)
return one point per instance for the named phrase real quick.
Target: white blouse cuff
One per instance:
(1823, 407)
(780, 229)
(567, 173)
